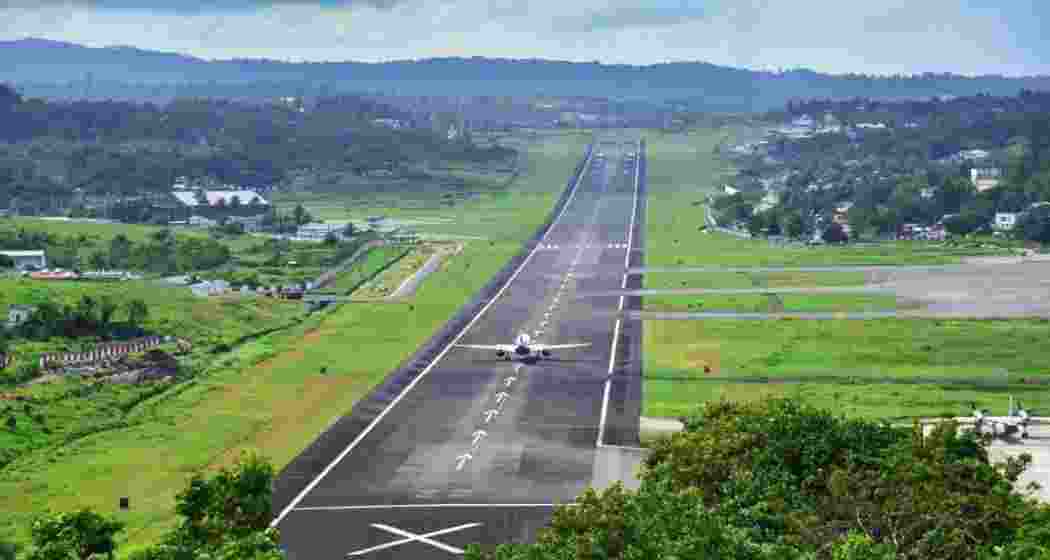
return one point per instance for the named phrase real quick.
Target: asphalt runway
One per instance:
(480, 449)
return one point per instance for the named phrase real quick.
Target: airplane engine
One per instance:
(546, 353)
(500, 353)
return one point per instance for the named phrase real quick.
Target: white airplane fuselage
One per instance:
(522, 352)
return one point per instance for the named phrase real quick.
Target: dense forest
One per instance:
(907, 172)
(130, 149)
(68, 70)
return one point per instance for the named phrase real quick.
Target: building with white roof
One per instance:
(1005, 221)
(25, 259)
(318, 232)
(985, 178)
(219, 198)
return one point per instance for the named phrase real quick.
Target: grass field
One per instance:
(771, 304)
(875, 368)
(390, 279)
(970, 355)
(93, 231)
(495, 213)
(247, 250)
(371, 264)
(269, 393)
(172, 310)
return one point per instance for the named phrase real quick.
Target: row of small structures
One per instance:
(108, 351)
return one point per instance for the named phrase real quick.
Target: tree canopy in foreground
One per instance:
(770, 480)
(781, 480)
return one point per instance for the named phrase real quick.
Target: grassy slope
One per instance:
(372, 262)
(390, 279)
(271, 395)
(800, 357)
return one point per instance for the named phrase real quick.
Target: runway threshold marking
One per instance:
(416, 537)
(375, 422)
(619, 322)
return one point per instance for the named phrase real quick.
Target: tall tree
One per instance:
(79, 535)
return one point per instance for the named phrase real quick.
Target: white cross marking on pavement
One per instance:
(501, 396)
(509, 380)
(410, 537)
(490, 414)
(462, 460)
(478, 436)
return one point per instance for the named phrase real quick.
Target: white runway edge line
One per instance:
(368, 429)
(429, 506)
(623, 286)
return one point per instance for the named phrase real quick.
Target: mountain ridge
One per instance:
(700, 85)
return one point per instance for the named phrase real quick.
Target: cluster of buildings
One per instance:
(200, 207)
(211, 288)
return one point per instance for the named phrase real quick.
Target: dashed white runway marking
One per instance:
(477, 436)
(462, 460)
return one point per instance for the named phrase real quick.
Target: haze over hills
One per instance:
(36, 66)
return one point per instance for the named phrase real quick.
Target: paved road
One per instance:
(410, 284)
(480, 447)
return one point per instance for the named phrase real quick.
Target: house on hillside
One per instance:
(770, 200)
(318, 232)
(201, 222)
(1005, 221)
(249, 223)
(393, 124)
(212, 288)
(985, 178)
(27, 259)
(971, 155)
(18, 314)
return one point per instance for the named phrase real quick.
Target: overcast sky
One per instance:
(838, 36)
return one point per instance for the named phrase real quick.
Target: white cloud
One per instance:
(826, 35)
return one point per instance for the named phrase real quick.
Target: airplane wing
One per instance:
(1008, 420)
(503, 347)
(541, 347)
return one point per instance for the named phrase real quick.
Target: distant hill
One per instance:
(33, 65)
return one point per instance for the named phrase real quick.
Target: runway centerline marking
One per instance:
(416, 537)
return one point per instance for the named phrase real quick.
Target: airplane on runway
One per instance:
(1017, 419)
(524, 349)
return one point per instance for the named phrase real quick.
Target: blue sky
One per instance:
(875, 36)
